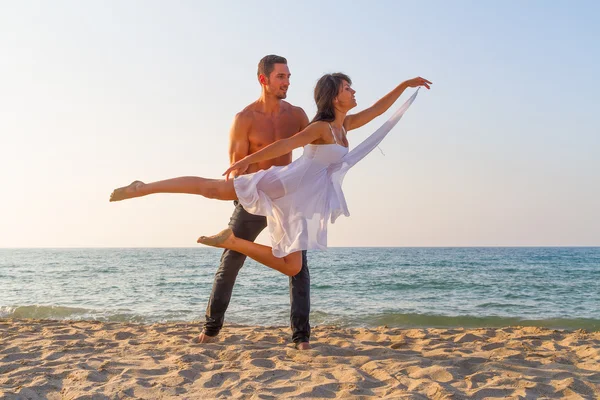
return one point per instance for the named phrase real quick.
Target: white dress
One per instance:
(299, 199)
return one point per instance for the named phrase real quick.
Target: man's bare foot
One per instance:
(204, 338)
(127, 192)
(221, 239)
(303, 346)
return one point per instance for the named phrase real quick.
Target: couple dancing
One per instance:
(295, 199)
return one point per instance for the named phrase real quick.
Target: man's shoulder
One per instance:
(245, 116)
(250, 111)
(247, 111)
(292, 108)
(296, 111)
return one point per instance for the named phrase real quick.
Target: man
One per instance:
(261, 123)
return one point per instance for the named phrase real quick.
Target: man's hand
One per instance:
(237, 168)
(418, 81)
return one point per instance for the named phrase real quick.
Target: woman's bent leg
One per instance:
(211, 188)
(289, 265)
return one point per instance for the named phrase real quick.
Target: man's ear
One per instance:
(262, 79)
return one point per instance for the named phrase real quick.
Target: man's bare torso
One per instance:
(265, 129)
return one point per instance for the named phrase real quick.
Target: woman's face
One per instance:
(345, 98)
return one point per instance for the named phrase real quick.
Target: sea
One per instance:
(554, 287)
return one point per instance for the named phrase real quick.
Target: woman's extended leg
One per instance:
(212, 188)
(289, 265)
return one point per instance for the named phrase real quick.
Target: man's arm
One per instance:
(382, 105)
(239, 143)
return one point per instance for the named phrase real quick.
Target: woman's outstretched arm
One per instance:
(357, 120)
(284, 146)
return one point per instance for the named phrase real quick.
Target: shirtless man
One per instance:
(261, 123)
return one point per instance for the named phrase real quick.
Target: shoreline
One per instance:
(56, 359)
(391, 320)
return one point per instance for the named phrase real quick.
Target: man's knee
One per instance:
(231, 263)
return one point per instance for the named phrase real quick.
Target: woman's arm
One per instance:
(278, 148)
(359, 119)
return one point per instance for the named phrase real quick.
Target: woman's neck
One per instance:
(338, 122)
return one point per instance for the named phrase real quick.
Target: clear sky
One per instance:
(504, 150)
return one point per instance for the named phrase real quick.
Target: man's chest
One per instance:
(266, 131)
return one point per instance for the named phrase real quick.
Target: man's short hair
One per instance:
(267, 64)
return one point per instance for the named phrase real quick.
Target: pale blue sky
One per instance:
(504, 150)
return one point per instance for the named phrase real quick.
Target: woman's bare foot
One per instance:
(127, 192)
(221, 239)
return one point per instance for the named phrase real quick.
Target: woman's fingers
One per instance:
(238, 167)
(423, 82)
(227, 173)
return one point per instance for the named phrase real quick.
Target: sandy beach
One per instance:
(43, 359)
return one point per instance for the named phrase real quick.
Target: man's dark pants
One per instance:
(248, 226)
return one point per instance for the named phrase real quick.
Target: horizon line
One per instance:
(330, 247)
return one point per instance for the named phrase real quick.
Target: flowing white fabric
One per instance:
(299, 199)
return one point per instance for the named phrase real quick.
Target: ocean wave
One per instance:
(67, 313)
(41, 312)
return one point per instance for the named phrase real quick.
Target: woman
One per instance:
(298, 199)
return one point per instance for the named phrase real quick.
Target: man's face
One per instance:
(278, 82)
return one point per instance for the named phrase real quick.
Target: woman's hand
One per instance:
(237, 168)
(418, 81)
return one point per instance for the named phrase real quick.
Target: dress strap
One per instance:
(332, 134)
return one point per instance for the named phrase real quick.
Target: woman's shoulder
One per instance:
(322, 127)
(320, 124)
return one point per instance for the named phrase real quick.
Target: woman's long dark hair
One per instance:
(326, 90)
